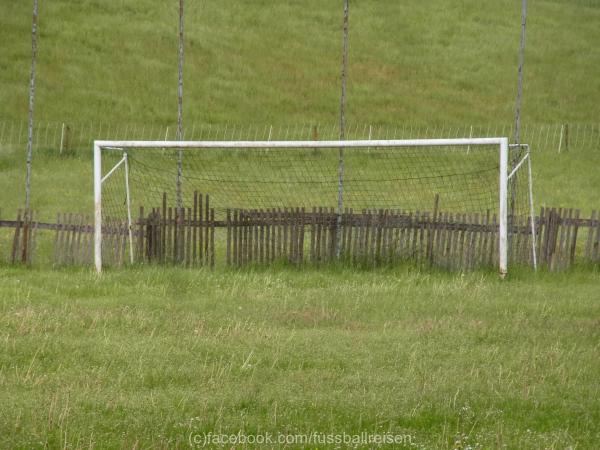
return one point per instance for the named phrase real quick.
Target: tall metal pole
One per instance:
(340, 208)
(180, 109)
(520, 81)
(517, 132)
(34, 27)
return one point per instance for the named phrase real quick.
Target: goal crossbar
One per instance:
(302, 144)
(501, 142)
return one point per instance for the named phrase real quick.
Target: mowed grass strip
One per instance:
(144, 357)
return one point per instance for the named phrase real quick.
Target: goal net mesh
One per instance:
(464, 178)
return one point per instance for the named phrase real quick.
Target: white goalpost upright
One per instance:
(98, 181)
(501, 143)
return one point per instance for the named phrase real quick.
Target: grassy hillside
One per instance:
(279, 62)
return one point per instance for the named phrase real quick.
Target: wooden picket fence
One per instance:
(183, 236)
(192, 237)
(560, 230)
(24, 238)
(369, 237)
(374, 237)
(167, 235)
(73, 239)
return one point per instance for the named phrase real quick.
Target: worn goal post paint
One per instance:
(97, 207)
(128, 200)
(503, 209)
(503, 176)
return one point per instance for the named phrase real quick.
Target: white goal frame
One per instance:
(500, 142)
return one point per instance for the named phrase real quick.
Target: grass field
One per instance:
(143, 358)
(157, 357)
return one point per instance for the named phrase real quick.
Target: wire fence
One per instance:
(62, 137)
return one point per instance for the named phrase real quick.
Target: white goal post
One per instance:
(501, 143)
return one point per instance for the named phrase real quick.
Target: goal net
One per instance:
(483, 176)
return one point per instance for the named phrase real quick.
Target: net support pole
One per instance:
(340, 205)
(128, 199)
(532, 212)
(503, 210)
(97, 208)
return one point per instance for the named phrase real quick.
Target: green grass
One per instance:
(258, 62)
(279, 62)
(144, 357)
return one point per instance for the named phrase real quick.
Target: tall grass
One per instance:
(143, 358)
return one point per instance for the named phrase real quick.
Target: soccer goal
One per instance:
(470, 177)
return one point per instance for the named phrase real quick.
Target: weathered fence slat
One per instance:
(590, 238)
(596, 240)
